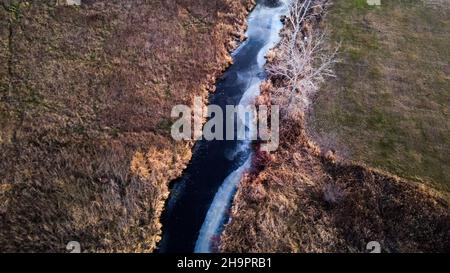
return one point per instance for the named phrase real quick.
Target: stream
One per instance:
(200, 200)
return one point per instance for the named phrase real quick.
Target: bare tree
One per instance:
(302, 59)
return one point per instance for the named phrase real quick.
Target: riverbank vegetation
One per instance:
(85, 99)
(304, 198)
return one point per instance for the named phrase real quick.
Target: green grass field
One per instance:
(389, 105)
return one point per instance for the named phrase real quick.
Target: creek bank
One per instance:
(200, 198)
(302, 199)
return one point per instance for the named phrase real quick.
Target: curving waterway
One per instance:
(200, 199)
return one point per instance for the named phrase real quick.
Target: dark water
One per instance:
(213, 161)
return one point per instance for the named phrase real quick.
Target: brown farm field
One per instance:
(85, 100)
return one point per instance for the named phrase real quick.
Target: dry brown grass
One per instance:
(300, 199)
(286, 207)
(85, 100)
